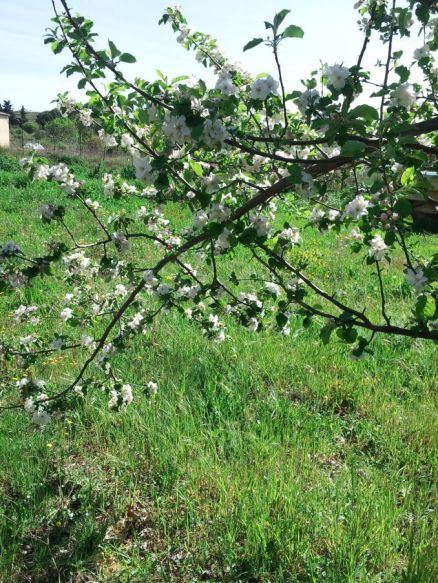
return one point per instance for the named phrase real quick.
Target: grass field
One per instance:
(262, 459)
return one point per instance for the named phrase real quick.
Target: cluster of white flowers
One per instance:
(78, 264)
(317, 215)
(219, 212)
(25, 312)
(225, 84)
(175, 128)
(214, 328)
(223, 242)
(42, 172)
(67, 104)
(263, 87)
(107, 139)
(144, 170)
(291, 235)
(108, 185)
(422, 52)
(34, 404)
(356, 208)
(9, 248)
(58, 173)
(188, 292)
(85, 117)
(127, 141)
(120, 398)
(416, 278)
(153, 387)
(47, 211)
(261, 224)
(355, 234)
(214, 133)
(402, 96)
(120, 241)
(378, 248)
(273, 288)
(92, 204)
(200, 219)
(337, 76)
(88, 342)
(66, 314)
(308, 98)
(249, 298)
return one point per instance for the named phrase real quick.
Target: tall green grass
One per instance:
(262, 459)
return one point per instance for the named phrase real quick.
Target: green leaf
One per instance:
(352, 149)
(114, 50)
(408, 176)
(425, 308)
(127, 58)
(403, 72)
(278, 18)
(348, 335)
(325, 333)
(365, 112)
(390, 237)
(252, 43)
(281, 319)
(196, 167)
(403, 207)
(293, 31)
(295, 175)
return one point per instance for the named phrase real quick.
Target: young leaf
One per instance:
(114, 50)
(252, 43)
(425, 308)
(127, 58)
(352, 149)
(278, 18)
(365, 112)
(293, 31)
(403, 207)
(403, 72)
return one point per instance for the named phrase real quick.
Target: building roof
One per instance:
(2, 114)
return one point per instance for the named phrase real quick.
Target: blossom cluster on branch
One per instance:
(241, 160)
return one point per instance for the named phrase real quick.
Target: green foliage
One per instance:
(248, 449)
(293, 31)
(352, 149)
(252, 43)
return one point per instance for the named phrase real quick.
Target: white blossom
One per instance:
(66, 314)
(337, 76)
(85, 117)
(416, 278)
(260, 224)
(41, 417)
(262, 88)
(357, 208)
(378, 248)
(308, 98)
(291, 234)
(402, 96)
(421, 52)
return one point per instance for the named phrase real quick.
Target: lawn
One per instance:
(265, 458)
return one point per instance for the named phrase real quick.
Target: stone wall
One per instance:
(4, 131)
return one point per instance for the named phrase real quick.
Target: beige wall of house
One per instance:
(4, 130)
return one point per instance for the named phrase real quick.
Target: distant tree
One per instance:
(30, 127)
(45, 116)
(23, 116)
(61, 129)
(7, 107)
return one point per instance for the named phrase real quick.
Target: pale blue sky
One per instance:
(29, 72)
